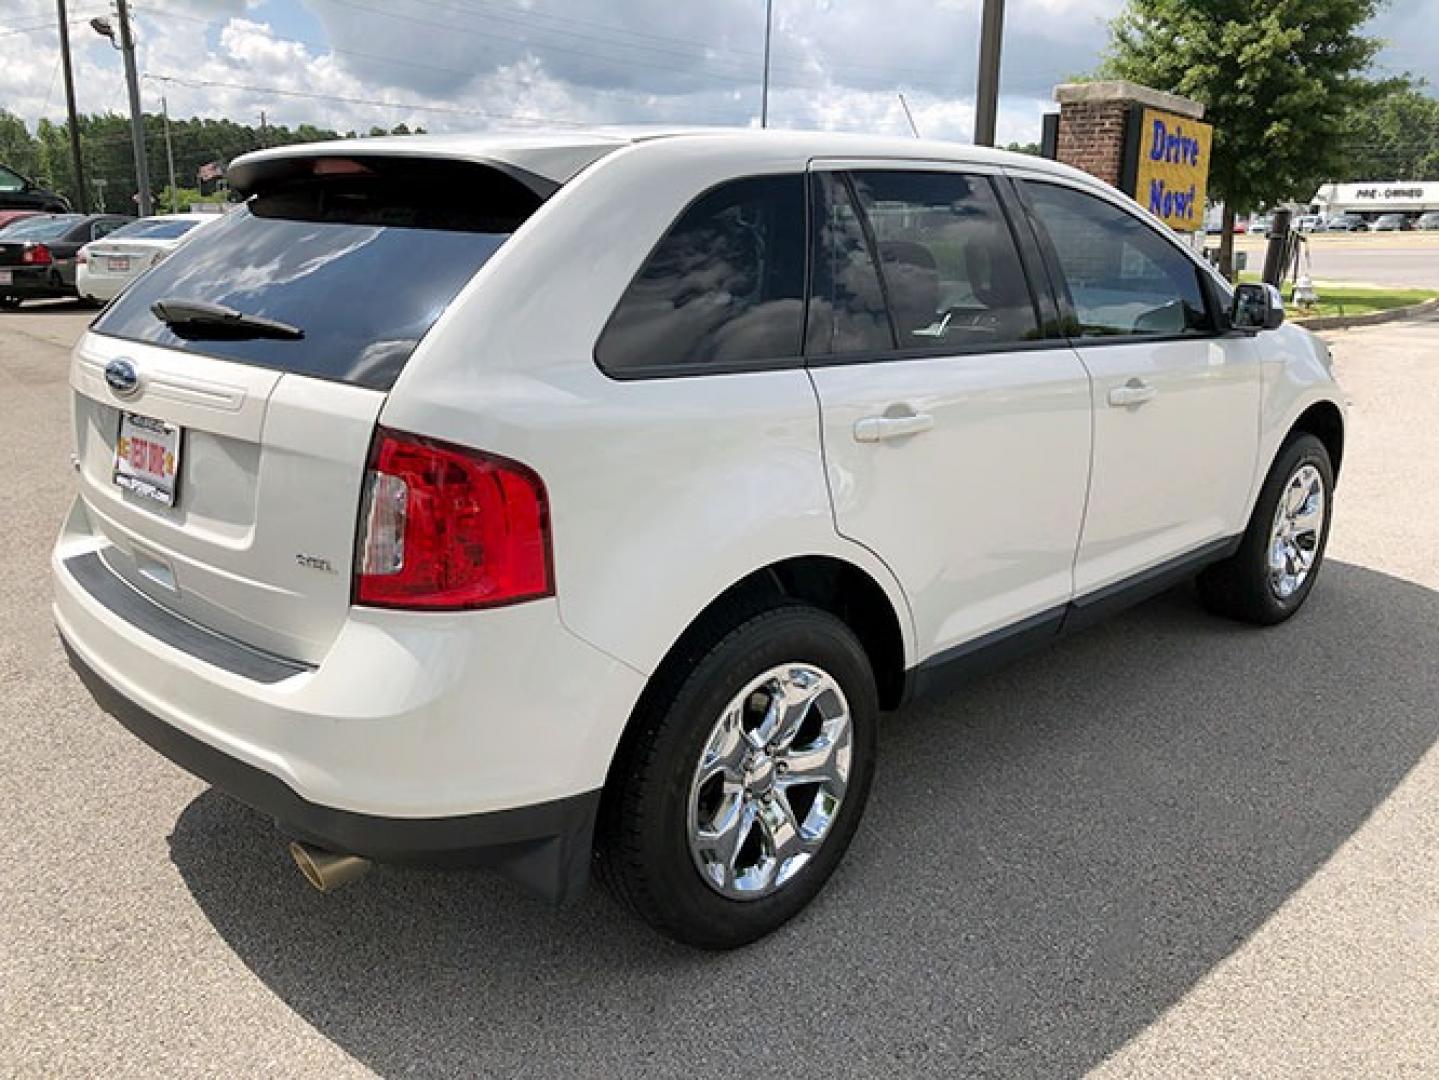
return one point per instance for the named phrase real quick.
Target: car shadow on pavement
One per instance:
(1053, 855)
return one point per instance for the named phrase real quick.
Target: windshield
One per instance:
(154, 229)
(362, 263)
(44, 227)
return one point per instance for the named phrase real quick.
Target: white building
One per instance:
(1371, 197)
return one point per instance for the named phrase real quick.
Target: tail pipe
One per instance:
(326, 870)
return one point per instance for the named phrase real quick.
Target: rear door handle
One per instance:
(877, 428)
(1134, 392)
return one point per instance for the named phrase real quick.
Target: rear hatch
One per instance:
(226, 484)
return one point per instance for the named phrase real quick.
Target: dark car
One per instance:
(37, 255)
(19, 192)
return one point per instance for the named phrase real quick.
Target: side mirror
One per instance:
(1256, 307)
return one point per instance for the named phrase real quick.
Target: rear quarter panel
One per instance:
(663, 492)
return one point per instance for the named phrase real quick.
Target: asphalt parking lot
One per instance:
(1169, 846)
(1395, 259)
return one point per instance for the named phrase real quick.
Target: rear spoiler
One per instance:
(541, 169)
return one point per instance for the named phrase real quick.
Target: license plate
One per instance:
(5, 277)
(119, 264)
(147, 457)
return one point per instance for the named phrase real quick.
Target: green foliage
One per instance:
(105, 146)
(1278, 79)
(177, 200)
(1031, 148)
(1395, 137)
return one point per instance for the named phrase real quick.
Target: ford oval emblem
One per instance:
(121, 377)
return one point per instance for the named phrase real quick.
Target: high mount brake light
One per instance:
(444, 527)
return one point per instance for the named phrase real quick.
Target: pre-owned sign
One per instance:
(1166, 166)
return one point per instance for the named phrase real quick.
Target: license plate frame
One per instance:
(147, 458)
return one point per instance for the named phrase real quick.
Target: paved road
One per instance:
(1370, 258)
(1170, 846)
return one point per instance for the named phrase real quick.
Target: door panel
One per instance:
(1171, 473)
(1176, 404)
(979, 515)
(964, 468)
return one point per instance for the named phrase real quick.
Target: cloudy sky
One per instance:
(453, 65)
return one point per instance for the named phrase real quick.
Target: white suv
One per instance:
(541, 501)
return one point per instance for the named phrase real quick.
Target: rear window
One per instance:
(154, 229)
(48, 227)
(362, 255)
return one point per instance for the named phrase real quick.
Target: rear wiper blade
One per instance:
(196, 318)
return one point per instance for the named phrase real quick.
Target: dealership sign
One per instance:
(1166, 166)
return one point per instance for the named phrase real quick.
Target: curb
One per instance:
(1344, 322)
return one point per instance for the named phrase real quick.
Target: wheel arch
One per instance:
(1325, 422)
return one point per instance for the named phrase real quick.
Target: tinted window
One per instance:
(724, 286)
(155, 229)
(846, 309)
(105, 228)
(46, 227)
(363, 262)
(950, 266)
(11, 181)
(1123, 276)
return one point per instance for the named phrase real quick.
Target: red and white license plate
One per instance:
(119, 264)
(147, 457)
(5, 277)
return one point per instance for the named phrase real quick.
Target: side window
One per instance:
(1124, 278)
(951, 269)
(11, 181)
(725, 285)
(846, 306)
(104, 228)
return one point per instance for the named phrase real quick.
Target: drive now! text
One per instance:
(1175, 147)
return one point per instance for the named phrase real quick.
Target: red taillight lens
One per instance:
(445, 527)
(37, 255)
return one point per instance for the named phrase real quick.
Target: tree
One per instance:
(1277, 79)
(1395, 137)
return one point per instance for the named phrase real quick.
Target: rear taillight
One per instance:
(445, 527)
(36, 255)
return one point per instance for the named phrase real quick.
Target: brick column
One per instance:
(1092, 119)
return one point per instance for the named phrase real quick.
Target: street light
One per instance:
(121, 38)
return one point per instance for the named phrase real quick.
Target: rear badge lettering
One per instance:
(314, 562)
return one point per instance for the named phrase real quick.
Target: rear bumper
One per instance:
(35, 283)
(100, 286)
(479, 737)
(545, 846)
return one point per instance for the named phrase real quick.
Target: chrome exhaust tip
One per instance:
(325, 870)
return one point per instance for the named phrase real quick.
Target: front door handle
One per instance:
(1134, 392)
(877, 428)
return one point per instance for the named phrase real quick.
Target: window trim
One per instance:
(1060, 284)
(726, 367)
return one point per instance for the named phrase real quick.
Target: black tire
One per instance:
(643, 844)
(1239, 587)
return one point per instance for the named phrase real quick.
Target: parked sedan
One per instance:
(1392, 223)
(1346, 223)
(106, 267)
(37, 256)
(1428, 222)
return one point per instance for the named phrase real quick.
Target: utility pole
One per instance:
(264, 133)
(764, 93)
(137, 117)
(169, 151)
(986, 100)
(81, 194)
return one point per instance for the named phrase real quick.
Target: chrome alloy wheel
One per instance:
(770, 781)
(1298, 526)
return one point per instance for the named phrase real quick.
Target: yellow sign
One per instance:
(1172, 167)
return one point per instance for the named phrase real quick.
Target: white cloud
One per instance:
(467, 64)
